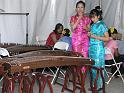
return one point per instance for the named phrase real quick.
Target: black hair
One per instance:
(99, 9)
(67, 32)
(112, 32)
(96, 12)
(80, 2)
(58, 27)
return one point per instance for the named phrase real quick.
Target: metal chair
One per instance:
(117, 65)
(4, 52)
(60, 46)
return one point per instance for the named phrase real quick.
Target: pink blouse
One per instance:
(112, 45)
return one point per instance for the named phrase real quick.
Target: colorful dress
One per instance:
(80, 40)
(96, 48)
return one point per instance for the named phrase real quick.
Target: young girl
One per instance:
(80, 26)
(55, 35)
(66, 38)
(98, 34)
(113, 46)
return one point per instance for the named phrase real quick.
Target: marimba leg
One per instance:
(93, 85)
(43, 80)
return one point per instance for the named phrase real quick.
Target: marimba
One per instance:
(22, 64)
(38, 53)
(44, 58)
(26, 48)
(26, 63)
(49, 53)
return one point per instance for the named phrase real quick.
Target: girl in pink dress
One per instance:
(80, 25)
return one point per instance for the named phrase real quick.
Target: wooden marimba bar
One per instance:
(49, 53)
(26, 48)
(40, 53)
(44, 58)
(33, 62)
(22, 64)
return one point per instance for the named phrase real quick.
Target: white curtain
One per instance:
(90, 4)
(113, 11)
(49, 13)
(13, 28)
(45, 14)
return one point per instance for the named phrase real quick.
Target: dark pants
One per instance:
(118, 59)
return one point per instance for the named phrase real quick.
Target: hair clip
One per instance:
(112, 29)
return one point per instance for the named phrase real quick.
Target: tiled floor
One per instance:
(115, 86)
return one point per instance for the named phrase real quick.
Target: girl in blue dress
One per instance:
(98, 34)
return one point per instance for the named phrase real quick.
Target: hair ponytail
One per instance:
(98, 8)
(96, 12)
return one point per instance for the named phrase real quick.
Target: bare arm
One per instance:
(53, 37)
(116, 52)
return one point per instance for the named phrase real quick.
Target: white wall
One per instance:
(13, 28)
(44, 14)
